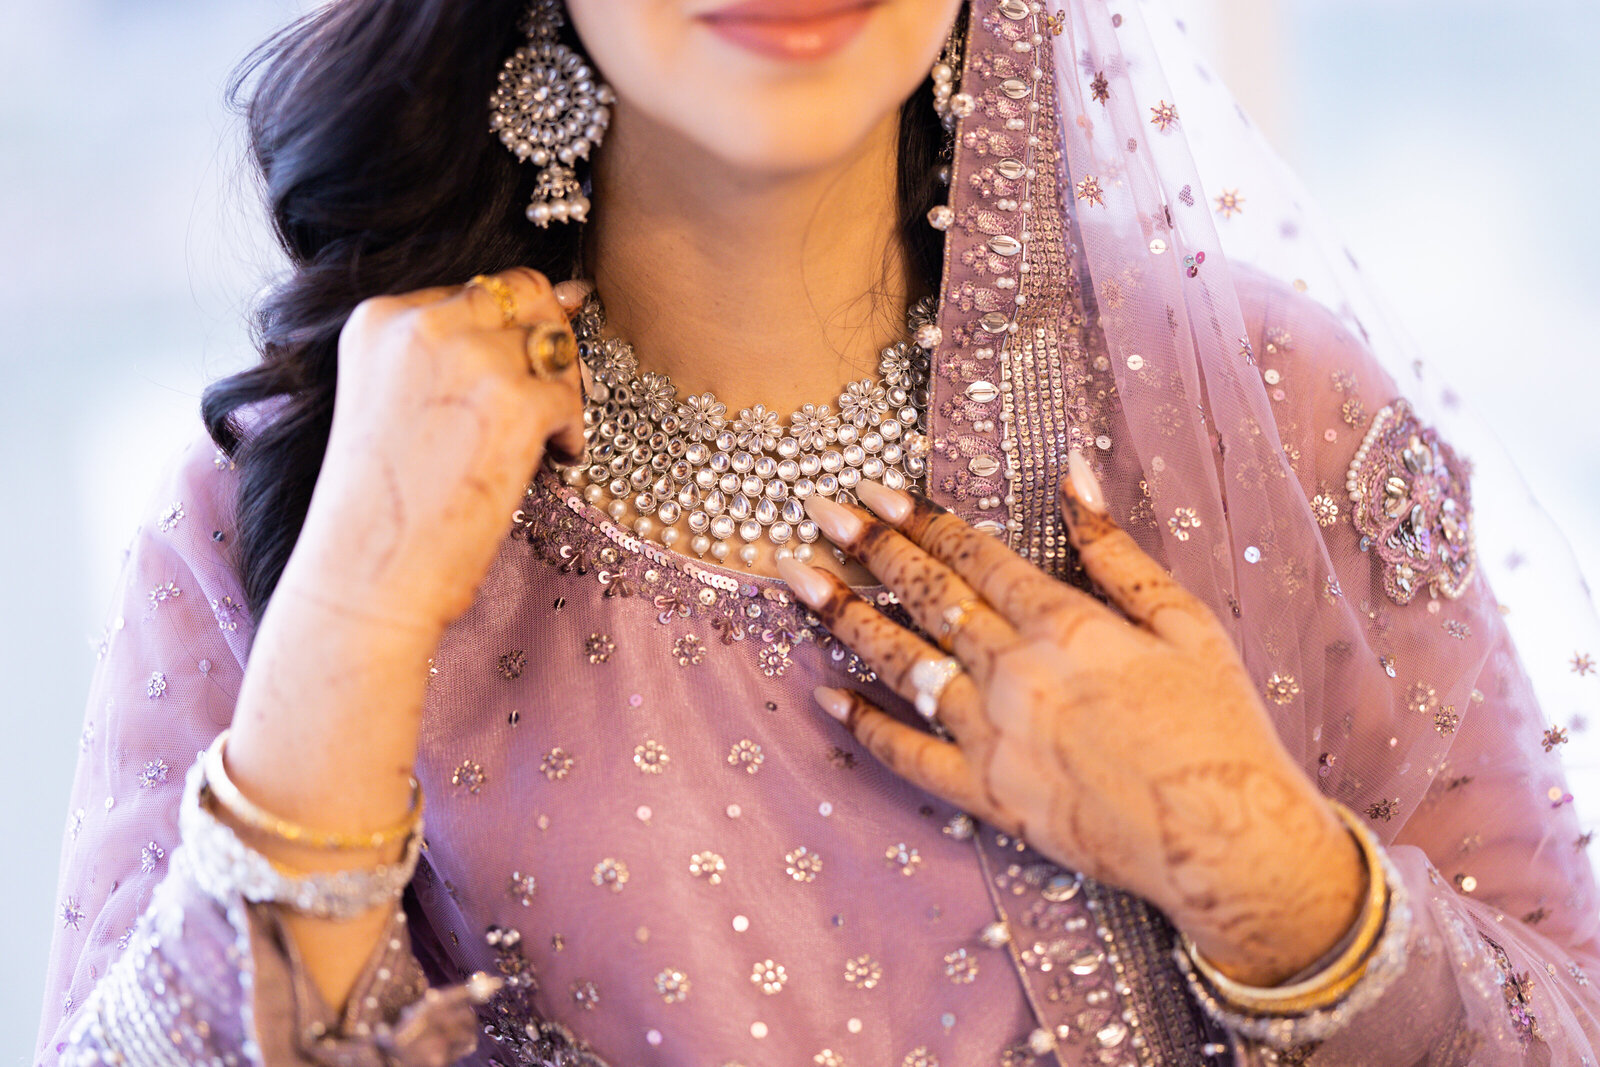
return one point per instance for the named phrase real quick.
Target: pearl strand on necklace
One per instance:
(738, 481)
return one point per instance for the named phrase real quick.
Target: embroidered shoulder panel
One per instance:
(1412, 505)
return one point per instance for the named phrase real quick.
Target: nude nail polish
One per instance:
(836, 521)
(833, 701)
(806, 581)
(1085, 484)
(891, 506)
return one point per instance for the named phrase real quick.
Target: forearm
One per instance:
(212, 973)
(325, 735)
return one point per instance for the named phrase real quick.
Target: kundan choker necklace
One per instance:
(735, 481)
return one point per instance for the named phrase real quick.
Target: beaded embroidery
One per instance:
(574, 536)
(1412, 505)
(520, 1034)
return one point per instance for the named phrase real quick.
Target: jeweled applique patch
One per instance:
(1412, 505)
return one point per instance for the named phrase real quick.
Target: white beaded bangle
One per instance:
(224, 866)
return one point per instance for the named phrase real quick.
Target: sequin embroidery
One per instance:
(1412, 505)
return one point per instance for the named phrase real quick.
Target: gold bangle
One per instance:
(1332, 982)
(221, 786)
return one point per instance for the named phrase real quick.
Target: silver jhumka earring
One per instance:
(550, 109)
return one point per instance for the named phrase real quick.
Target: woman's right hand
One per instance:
(437, 426)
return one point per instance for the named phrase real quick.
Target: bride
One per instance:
(808, 532)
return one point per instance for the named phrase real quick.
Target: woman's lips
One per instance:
(791, 29)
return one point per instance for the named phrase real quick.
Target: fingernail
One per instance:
(571, 295)
(806, 581)
(836, 521)
(834, 701)
(891, 506)
(1085, 484)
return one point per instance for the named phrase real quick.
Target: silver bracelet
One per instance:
(223, 866)
(1387, 962)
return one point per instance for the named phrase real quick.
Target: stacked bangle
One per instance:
(1309, 1009)
(219, 784)
(225, 868)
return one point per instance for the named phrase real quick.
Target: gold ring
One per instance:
(954, 617)
(551, 349)
(502, 294)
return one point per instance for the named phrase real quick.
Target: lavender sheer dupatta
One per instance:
(1261, 428)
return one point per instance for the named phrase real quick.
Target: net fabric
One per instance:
(1224, 471)
(144, 961)
(1243, 362)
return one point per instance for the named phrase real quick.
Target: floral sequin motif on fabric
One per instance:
(1518, 990)
(1411, 503)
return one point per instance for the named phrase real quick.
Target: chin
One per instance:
(785, 139)
(750, 111)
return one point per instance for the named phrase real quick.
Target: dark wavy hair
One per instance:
(367, 122)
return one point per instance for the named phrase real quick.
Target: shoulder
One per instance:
(1374, 467)
(197, 487)
(194, 495)
(1292, 331)
(187, 529)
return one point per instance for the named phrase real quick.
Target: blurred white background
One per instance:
(1454, 142)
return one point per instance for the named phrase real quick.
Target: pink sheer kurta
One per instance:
(636, 814)
(625, 770)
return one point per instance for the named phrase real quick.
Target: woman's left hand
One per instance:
(1130, 746)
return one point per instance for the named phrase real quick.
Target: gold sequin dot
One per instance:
(643, 812)
(853, 1025)
(1466, 882)
(653, 1036)
(740, 923)
(758, 1030)
(733, 811)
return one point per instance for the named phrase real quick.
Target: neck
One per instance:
(762, 289)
